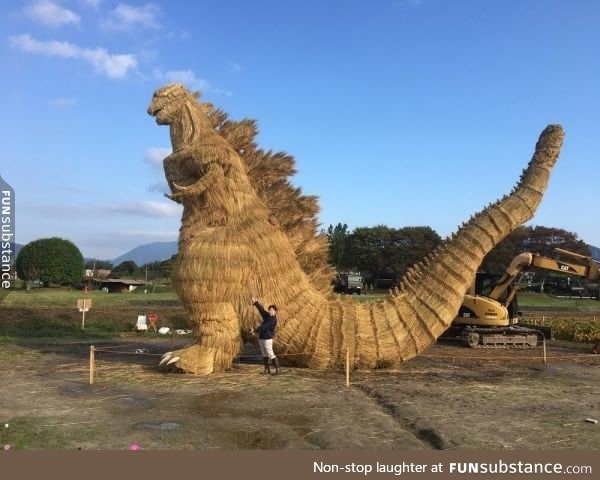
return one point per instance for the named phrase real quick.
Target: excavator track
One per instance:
(502, 337)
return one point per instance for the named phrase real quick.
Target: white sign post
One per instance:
(84, 304)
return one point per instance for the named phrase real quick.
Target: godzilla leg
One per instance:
(218, 344)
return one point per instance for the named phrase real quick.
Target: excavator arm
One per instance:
(485, 320)
(583, 267)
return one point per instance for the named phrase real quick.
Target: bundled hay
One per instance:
(295, 213)
(233, 246)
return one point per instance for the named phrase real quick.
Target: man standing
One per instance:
(265, 331)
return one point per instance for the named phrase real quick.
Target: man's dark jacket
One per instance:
(266, 329)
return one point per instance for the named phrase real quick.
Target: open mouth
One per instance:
(153, 111)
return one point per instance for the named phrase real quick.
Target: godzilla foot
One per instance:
(197, 359)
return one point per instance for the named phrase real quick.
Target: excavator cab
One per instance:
(485, 284)
(489, 319)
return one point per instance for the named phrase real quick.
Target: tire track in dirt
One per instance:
(408, 419)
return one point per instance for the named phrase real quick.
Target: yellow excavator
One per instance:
(489, 317)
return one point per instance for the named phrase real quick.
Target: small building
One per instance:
(119, 285)
(90, 276)
(97, 273)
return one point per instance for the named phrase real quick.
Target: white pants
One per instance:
(266, 348)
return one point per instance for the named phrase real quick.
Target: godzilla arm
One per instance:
(213, 176)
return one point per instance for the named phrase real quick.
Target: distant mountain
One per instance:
(595, 252)
(151, 252)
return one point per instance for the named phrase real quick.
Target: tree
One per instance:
(52, 261)
(338, 238)
(502, 254)
(368, 249)
(382, 250)
(544, 240)
(159, 270)
(127, 268)
(411, 245)
(95, 264)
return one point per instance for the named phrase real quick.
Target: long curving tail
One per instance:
(386, 333)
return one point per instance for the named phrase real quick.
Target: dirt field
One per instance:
(448, 398)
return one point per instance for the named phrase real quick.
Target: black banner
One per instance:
(292, 465)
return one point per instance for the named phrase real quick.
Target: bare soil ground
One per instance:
(448, 398)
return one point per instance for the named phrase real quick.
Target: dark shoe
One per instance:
(267, 368)
(276, 365)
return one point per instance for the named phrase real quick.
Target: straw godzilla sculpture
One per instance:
(232, 247)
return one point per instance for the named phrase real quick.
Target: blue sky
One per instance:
(398, 112)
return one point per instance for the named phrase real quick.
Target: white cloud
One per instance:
(127, 17)
(155, 155)
(53, 48)
(147, 209)
(189, 79)
(111, 65)
(49, 13)
(142, 208)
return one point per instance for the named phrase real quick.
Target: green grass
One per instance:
(6, 339)
(30, 434)
(40, 297)
(541, 300)
(69, 297)
(526, 299)
(51, 314)
(48, 331)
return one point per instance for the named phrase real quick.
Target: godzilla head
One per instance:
(167, 102)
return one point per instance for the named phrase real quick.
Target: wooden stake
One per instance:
(92, 364)
(347, 367)
(544, 345)
(84, 304)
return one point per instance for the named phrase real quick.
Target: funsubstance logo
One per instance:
(7, 237)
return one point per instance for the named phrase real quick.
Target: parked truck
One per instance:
(349, 283)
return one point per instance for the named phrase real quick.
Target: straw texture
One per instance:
(247, 232)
